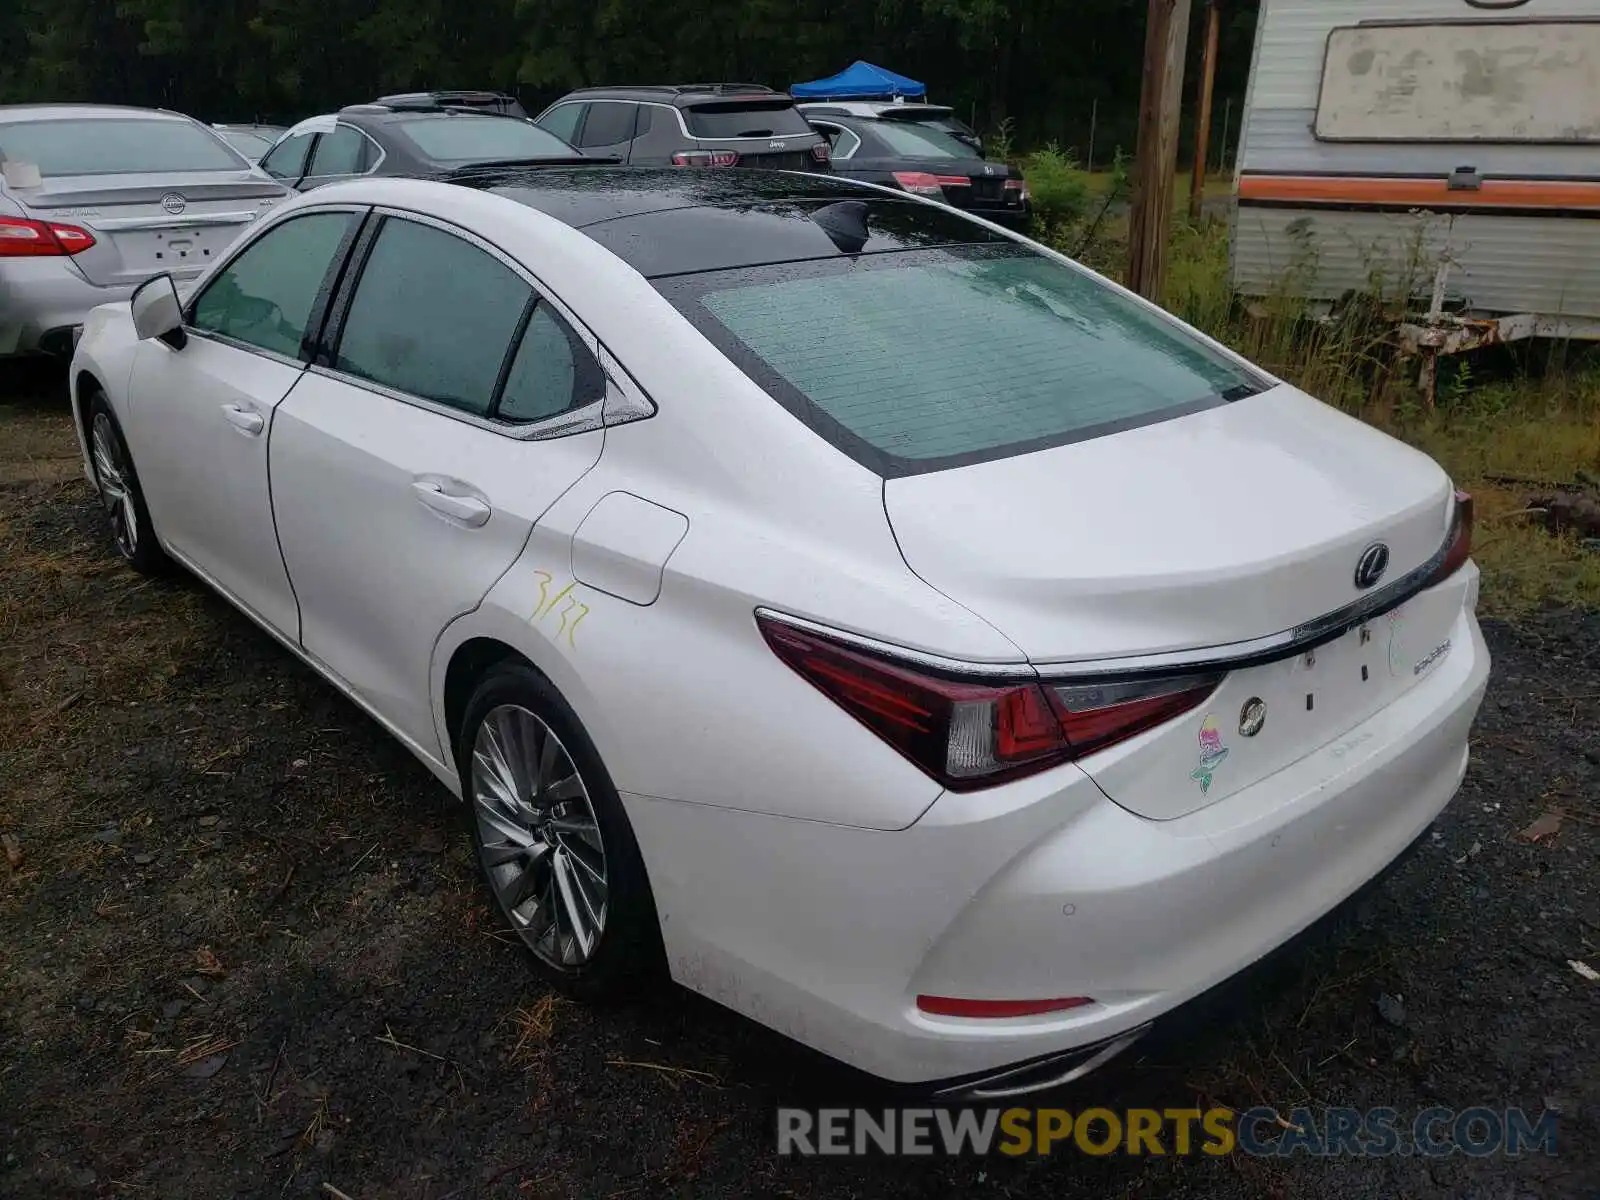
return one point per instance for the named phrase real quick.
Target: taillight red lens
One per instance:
(919, 182)
(1460, 545)
(821, 152)
(950, 1006)
(705, 158)
(971, 734)
(22, 238)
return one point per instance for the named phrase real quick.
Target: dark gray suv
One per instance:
(689, 125)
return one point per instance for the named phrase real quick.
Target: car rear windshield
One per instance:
(114, 146)
(920, 141)
(921, 360)
(464, 138)
(746, 118)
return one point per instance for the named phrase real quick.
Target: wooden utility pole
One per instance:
(1166, 37)
(1202, 125)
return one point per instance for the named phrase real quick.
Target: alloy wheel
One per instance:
(540, 842)
(116, 489)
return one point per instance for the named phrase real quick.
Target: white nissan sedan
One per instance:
(910, 639)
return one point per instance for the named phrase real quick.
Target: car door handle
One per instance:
(247, 420)
(469, 510)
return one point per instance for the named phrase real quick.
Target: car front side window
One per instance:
(432, 316)
(266, 296)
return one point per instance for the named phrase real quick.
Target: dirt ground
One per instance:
(242, 951)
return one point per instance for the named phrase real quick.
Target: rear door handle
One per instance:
(247, 420)
(469, 510)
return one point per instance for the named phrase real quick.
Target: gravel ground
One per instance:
(242, 952)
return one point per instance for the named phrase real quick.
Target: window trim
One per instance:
(580, 420)
(321, 306)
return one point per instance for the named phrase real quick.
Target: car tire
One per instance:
(117, 483)
(558, 857)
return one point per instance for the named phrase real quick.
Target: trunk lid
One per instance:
(1219, 527)
(145, 224)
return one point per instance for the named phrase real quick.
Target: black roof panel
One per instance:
(667, 222)
(580, 196)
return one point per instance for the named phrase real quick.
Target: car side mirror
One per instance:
(157, 313)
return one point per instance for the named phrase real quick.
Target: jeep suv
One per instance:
(689, 125)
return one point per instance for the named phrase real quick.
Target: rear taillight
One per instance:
(1017, 188)
(923, 184)
(1458, 548)
(821, 153)
(22, 238)
(970, 734)
(706, 158)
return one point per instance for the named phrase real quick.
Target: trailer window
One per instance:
(1462, 81)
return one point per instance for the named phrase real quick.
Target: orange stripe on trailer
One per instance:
(1420, 193)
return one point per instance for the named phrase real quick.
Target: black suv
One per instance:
(689, 125)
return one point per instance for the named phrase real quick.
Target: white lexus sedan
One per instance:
(903, 635)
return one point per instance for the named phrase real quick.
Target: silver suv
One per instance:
(96, 199)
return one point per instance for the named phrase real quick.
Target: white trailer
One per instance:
(1444, 153)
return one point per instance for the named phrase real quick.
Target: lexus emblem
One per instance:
(1374, 561)
(173, 204)
(987, 169)
(1252, 716)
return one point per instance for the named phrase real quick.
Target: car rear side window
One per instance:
(432, 316)
(467, 138)
(266, 295)
(920, 360)
(552, 373)
(115, 146)
(342, 152)
(746, 118)
(287, 159)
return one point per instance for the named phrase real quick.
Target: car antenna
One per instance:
(845, 223)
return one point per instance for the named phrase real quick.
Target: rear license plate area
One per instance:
(175, 249)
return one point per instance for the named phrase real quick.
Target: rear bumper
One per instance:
(42, 301)
(1042, 888)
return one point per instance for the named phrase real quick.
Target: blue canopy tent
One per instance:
(860, 81)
